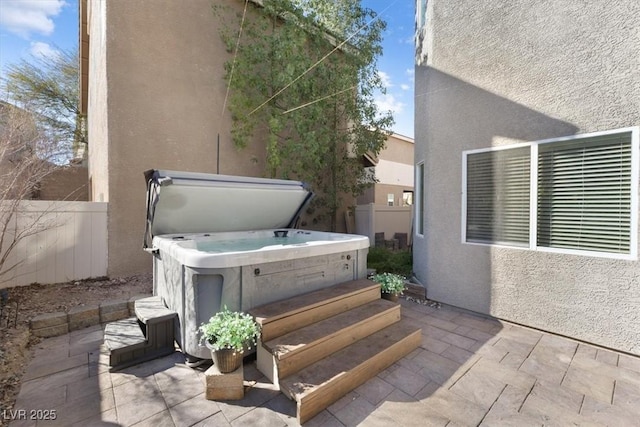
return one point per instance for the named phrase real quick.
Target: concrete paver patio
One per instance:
(469, 370)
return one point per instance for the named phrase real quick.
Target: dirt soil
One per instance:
(16, 341)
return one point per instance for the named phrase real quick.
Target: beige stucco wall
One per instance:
(383, 190)
(68, 183)
(398, 148)
(499, 72)
(155, 101)
(97, 121)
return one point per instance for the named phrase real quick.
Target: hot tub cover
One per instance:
(190, 202)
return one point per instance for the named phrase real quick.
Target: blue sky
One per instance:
(39, 27)
(396, 64)
(36, 27)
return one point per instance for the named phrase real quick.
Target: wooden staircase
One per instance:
(147, 336)
(319, 346)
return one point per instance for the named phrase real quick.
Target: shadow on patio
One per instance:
(469, 370)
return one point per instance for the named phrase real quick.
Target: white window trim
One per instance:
(533, 217)
(419, 194)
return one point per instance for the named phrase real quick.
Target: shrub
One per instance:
(386, 260)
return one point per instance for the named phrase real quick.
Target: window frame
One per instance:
(632, 255)
(419, 200)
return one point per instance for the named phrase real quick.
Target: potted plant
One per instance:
(227, 334)
(391, 285)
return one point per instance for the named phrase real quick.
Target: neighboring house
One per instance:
(24, 174)
(385, 208)
(527, 117)
(393, 169)
(153, 90)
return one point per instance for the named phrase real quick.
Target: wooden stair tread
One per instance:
(288, 307)
(353, 365)
(320, 332)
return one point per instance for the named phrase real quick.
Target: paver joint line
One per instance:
(571, 400)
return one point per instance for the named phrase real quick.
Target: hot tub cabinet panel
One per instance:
(197, 293)
(265, 283)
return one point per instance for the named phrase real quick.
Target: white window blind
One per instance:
(584, 194)
(498, 193)
(584, 191)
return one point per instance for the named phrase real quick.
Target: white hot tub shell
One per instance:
(230, 241)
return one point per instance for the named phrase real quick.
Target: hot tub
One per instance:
(231, 241)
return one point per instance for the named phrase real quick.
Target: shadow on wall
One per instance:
(453, 116)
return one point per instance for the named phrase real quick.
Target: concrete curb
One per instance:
(80, 317)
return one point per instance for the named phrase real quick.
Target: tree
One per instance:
(47, 86)
(24, 153)
(304, 76)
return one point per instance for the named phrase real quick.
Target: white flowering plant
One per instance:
(390, 283)
(230, 330)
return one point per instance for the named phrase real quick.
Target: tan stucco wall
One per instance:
(97, 121)
(398, 148)
(501, 72)
(394, 172)
(68, 183)
(155, 95)
(382, 190)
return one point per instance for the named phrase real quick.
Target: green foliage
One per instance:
(390, 283)
(230, 329)
(48, 87)
(386, 260)
(316, 116)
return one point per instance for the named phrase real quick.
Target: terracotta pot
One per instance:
(390, 297)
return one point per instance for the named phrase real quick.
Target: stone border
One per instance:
(54, 324)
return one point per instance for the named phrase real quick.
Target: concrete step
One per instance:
(291, 352)
(123, 334)
(319, 385)
(282, 317)
(152, 310)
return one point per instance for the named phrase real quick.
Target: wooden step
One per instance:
(319, 385)
(302, 347)
(282, 317)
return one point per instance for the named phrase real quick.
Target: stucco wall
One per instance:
(97, 130)
(492, 73)
(156, 96)
(394, 172)
(67, 183)
(398, 148)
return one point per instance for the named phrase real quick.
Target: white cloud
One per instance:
(407, 40)
(43, 50)
(405, 87)
(411, 73)
(22, 17)
(385, 78)
(388, 102)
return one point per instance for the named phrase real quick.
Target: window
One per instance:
(421, 12)
(419, 210)
(498, 196)
(390, 199)
(407, 198)
(575, 195)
